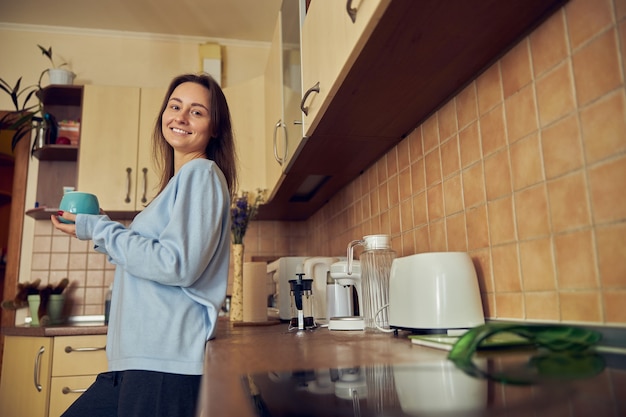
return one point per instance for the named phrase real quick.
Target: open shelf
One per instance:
(56, 153)
(61, 95)
(41, 213)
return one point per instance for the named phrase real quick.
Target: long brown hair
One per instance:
(221, 146)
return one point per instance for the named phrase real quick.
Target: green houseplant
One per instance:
(57, 74)
(20, 119)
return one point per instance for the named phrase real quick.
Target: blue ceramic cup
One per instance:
(76, 202)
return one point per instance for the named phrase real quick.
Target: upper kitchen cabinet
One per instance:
(283, 91)
(332, 37)
(275, 128)
(115, 150)
(403, 60)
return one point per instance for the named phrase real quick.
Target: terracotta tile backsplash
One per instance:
(57, 256)
(525, 169)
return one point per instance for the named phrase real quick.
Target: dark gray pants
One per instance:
(138, 394)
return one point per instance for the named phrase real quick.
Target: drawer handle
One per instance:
(314, 89)
(68, 390)
(37, 370)
(69, 349)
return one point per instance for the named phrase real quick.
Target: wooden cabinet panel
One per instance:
(147, 179)
(64, 390)
(25, 366)
(116, 145)
(331, 41)
(108, 147)
(29, 362)
(78, 355)
(275, 129)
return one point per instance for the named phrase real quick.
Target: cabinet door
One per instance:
(26, 370)
(108, 145)
(275, 128)
(147, 179)
(331, 41)
(292, 16)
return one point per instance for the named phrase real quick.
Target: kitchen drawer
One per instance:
(73, 386)
(79, 355)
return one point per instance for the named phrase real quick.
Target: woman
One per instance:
(172, 262)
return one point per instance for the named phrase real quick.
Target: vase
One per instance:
(54, 309)
(236, 299)
(61, 76)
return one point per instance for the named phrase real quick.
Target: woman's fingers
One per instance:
(69, 228)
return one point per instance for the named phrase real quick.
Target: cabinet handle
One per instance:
(37, 370)
(316, 89)
(280, 160)
(69, 349)
(144, 199)
(68, 390)
(128, 172)
(351, 11)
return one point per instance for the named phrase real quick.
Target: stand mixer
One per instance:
(339, 272)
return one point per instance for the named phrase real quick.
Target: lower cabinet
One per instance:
(42, 376)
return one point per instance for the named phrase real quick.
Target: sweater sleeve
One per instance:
(175, 241)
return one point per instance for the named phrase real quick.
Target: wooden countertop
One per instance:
(263, 360)
(239, 351)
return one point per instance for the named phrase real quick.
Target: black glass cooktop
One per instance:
(437, 389)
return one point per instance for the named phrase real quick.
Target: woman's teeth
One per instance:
(177, 130)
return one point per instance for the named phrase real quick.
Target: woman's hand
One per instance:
(68, 228)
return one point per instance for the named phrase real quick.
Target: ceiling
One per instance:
(242, 20)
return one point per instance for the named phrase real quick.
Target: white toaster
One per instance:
(434, 292)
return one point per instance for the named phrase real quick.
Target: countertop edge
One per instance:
(51, 331)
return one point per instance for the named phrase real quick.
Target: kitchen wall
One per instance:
(102, 58)
(525, 169)
(118, 58)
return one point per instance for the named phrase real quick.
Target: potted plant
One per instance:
(22, 118)
(56, 74)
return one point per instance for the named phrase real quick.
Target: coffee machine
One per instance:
(350, 283)
(317, 268)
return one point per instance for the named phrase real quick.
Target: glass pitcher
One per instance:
(376, 260)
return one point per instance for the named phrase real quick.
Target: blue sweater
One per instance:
(171, 275)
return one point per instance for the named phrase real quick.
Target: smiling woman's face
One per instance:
(186, 119)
